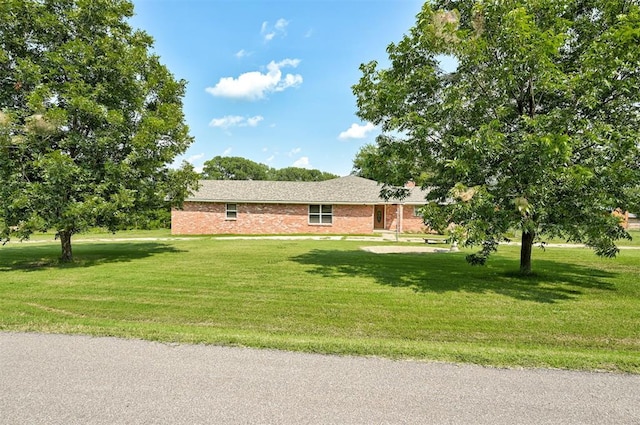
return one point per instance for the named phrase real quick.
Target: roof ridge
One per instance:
(349, 189)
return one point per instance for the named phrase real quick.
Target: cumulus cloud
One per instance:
(269, 32)
(303, 162)
(227, 152)
(235, 121)
(226, 121)
(281, 25)
(256, 85)
(357, 131)
(254, 121)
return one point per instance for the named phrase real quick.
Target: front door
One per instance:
(378, 217)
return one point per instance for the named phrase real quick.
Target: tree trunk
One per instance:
(525, 252)
(65, 242)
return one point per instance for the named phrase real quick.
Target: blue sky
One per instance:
(271, 80)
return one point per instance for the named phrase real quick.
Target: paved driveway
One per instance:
(57, 379)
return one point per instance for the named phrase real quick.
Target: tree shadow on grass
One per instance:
(31, 258)
(440, 273)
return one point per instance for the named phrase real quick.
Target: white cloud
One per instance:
(294, 151)
(226, 121)
(254, 121)
(242, 54)
(303, 162)
(256, 85)
(194, 158)
(281, 25)
(279, 28)
(357, 131)
(309, 33)
(227, 151)
(235, 121)
(271, 158)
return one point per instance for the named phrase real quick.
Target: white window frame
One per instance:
(231, 211)
(323, 213)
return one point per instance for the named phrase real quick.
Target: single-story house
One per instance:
(346, 205)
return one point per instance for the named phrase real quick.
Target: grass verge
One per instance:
(576, 312)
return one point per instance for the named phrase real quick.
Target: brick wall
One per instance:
(390, 217)
(411, 223)
(201, 218)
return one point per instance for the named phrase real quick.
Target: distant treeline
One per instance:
(238, 168)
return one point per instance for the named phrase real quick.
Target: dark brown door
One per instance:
(378, 217)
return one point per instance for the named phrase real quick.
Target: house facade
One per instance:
(346, 205)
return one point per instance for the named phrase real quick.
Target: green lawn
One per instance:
(99, 233)
(577, 312)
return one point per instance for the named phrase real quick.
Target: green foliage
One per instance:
(536, 129)
(297, 174)
(392, 167)
(234, 168)
(89, 119)
(238, 168)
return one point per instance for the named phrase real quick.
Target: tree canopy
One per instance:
(536, 129)
(371, 163)
(234, 168)
(238, 168)
(89, 119)
(298, 174)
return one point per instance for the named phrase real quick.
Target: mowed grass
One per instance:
(577, 312)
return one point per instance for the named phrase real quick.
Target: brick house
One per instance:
(346, 205)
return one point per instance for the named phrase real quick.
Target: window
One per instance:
(320, 214)
(232, 211)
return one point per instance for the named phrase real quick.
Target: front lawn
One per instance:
(577, 312)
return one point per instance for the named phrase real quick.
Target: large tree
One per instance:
(234, 168)
(537, 128)
(89, 119)
(298, 174)
(371, 163)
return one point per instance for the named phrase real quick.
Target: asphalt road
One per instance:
(57, 379)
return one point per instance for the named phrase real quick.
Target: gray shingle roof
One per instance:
(343, 190)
